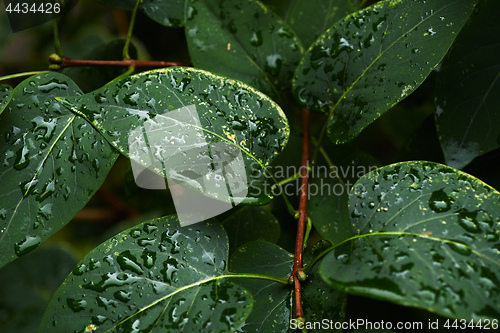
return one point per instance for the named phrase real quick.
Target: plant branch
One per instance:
(68, 62)
(297, 273)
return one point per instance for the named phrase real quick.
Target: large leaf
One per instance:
(229, 112)
(311, 18)
(243, 40)
(5, 96)
(251, 224)
(169, 13)
(271, 312)
(52, 164)
(468, 90)
(427, 236)
(372, 59)
(27, 285)
(155, 277)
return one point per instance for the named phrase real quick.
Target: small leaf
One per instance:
(243, 40)
(372, 59)
(169, 13)
(52, 163)
(26, 286)
(468, 90)
(319, 300)
(328, 191)
(5, 96)
(427, 236)
(229, 112)
(271, 311)
(311, 18)
(250, 224)
(155, 277)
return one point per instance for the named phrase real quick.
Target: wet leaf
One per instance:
(229, 112)
(311, 18)
(52, 163)
(92, 78)
(372, 59)
(26, 286)
(243, 40)
(271, 311)
(169, 13)
(155, 277)
(468, 90)
(319, 300)
(427, 236)
(5, 96)
(250, 224)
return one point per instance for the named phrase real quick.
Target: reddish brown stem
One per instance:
(68, 62)
(299, 243)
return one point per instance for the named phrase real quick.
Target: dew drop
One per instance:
(27, 245)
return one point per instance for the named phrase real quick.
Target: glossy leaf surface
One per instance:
(251, 223)
(372, 59)
(468, 90)
(243, 40)
(26, 286)
(428, 236)
(311, 18)
(271, 311)
(5, 96)
(52, 164)
(229, 112)
(155, 277)
(169, 13)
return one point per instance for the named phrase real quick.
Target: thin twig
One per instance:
(297, 264)
(68, 62)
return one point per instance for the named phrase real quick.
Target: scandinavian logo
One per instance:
(204, 178)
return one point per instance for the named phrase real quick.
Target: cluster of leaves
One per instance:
(416, 233)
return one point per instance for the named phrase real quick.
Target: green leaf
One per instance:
(468, 90)
(327, 207)
(26, 286)
(328, 194)
(5, 96)
(312, 18)
(372, 59)
(92, 78)
(169, 13)
(250, 224)
(155, 277)
(229, 112)
(52, 164)
(244, 40)
(271, 311)
(319, 300)
(427, 236)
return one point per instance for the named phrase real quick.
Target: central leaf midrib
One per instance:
(400, 233)
(261, 163)
(40, 165)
